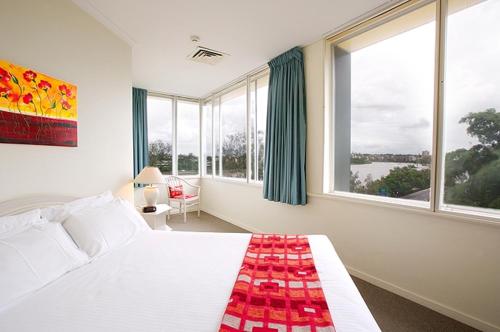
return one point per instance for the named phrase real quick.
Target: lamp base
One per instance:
(151, 195)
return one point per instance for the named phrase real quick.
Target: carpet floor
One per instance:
(392, 312)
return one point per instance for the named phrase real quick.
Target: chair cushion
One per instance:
(182, 196)
(175, 191)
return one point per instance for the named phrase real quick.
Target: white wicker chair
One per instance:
(185, 200)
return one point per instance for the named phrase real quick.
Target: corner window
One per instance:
(160, 138)
(258, 114)
(173, 135)
(233, 108)
(188, 137)
(207, 138)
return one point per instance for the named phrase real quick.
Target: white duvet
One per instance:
(169, 281)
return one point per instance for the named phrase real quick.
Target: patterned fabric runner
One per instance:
(277, 289)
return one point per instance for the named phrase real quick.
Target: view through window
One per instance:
(188, 137)
(471, 141)
(207, 138)
(227, 133)
(160, 136)
(258, 113)
(384, 104)
(233, 133)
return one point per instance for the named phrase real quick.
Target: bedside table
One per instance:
(157, 220)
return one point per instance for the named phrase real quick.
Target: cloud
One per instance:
(421, 123)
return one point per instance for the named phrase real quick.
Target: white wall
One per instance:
(450, 265)
(57, 38)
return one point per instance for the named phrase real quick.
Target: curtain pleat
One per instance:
(285, 150)
(140, 128)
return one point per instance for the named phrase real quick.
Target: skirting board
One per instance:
(424, 301)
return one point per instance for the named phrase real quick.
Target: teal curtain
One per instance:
(140, 128)
(285, 151)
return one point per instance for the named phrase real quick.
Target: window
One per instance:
(471, 111)
(216, 134)
(258, 114)
(235, 130)
(398, 98)
(188, 137)
(177, 156)
(160, 133)
(233, 112)
(207, 138)
(384, 106)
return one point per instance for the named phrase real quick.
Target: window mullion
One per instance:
(174, 138)
(437, 137)
(220, 136)
(248, 130)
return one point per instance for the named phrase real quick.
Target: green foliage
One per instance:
(160, 155)
(400, 181)
(234, 155)
(472, 177)
(360, 161)
(484, 125)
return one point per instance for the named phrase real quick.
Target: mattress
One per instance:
(169, 281)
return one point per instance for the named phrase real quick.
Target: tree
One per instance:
(160, 155)
(484, 125)
(400, 181)
(234, 152)
(472, 177)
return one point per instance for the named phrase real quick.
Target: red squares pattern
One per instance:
(277, 289)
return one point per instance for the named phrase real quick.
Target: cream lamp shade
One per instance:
(150, 175)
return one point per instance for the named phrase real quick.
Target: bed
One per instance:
(165, 281)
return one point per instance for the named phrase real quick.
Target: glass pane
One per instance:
(160, 133)
(253, 129)
(216, 110)
(188, 131)
(233, 132)
(384, 100)
(207, 137)
(262, 89)
(471, 176)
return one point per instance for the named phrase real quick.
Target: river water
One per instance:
(379, 169)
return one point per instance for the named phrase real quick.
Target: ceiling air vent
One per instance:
(206, 55)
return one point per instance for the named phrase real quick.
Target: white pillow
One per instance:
(34, 257)
(132, 213)
(96, 230)
(10, 225)
(58, 213)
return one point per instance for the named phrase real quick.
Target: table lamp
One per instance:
(150, 176)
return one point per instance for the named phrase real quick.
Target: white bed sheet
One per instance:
(169, 281)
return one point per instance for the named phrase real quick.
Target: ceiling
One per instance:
(252, 32)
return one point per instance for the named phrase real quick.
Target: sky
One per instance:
(392, 87)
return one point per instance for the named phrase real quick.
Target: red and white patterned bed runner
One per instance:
(277, 289)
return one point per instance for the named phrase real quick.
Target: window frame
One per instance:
(215, 98)
(436, 204)
(175, 100)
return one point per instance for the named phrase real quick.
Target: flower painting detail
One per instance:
(36, 108)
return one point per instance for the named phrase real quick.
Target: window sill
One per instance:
(463, 216)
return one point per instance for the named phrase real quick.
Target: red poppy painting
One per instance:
(36, 108)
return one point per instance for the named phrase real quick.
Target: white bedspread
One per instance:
(169, 281)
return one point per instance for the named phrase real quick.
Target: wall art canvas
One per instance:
(36, 108)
